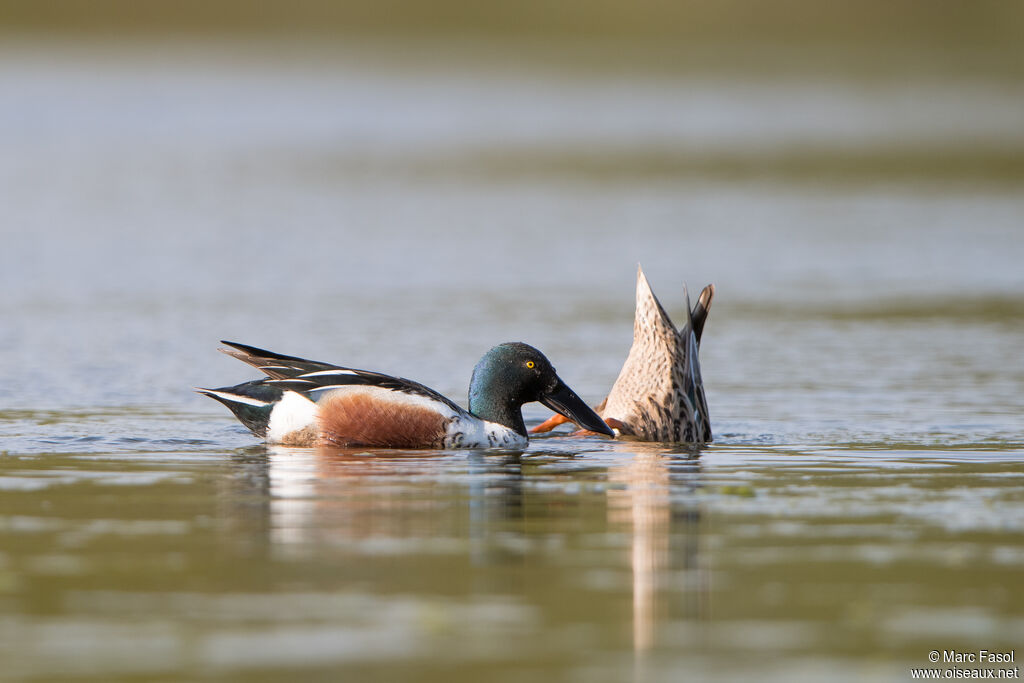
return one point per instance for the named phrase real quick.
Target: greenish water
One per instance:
(862, 504)
(575, 560)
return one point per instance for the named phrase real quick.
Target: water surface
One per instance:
(862, 504)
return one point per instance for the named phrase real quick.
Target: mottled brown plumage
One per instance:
(659, 393)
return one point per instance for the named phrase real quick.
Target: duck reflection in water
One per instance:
(664, 537)
(485, 525)
(373, 501)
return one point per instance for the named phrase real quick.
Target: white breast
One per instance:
(472, 432)
(293, 413)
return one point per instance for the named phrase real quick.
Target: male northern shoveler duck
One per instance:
(659, 394)
(309, 403)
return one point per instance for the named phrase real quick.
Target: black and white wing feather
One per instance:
(312, 378)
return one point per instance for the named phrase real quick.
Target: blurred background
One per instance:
(399, 185)
(334, 178)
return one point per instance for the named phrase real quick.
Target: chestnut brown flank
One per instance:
(359, 418)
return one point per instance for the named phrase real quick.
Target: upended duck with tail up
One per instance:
(659, 394)
(309, 403)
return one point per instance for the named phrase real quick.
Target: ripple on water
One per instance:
(243, 631)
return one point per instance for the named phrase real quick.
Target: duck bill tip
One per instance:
(566, 403)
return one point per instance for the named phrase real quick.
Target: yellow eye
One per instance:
(530, 364)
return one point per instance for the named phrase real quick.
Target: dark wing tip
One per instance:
(246, 349)
(699, 314)
(256, 356)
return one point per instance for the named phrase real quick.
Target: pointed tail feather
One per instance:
(649, 311)
(273, 364)
(244, 350)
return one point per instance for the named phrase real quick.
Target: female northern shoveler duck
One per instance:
(308, 403)
(659, 394)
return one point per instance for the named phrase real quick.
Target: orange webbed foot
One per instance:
(549, 424)
(557, 419)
